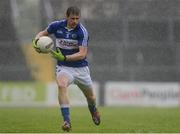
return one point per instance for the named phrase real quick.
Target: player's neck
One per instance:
(69, 28)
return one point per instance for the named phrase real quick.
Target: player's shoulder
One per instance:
(82, 29)
(58, 22)
(81, 26)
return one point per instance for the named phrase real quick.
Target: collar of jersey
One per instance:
(69, 29)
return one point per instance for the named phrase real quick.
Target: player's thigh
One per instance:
(82, 77)
(87, 90)
(63, 78)
(84, 82)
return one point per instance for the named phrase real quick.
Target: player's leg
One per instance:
(84, 82)
(91, 100)
(63, 79)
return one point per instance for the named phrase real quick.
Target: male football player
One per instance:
(72, 65)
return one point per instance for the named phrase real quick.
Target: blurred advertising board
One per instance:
(22, 94)
(142, 94)
(26, 94)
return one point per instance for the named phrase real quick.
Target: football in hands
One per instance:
(45, 44)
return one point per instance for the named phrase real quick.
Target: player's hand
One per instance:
(34, 42)
(57, 54)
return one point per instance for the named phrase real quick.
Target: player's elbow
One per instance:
(82, 56)
(82, 53)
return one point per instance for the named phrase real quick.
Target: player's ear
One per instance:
(66, 16)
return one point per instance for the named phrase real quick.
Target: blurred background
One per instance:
(133, 49)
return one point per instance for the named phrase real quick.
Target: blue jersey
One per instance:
(69, 41)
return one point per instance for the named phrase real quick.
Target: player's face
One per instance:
(72, 20)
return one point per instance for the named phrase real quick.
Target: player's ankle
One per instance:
(92, 108)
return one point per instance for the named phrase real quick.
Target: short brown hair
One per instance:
(73, 10)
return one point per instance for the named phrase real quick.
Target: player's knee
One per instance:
(91, 97)
(62, 86)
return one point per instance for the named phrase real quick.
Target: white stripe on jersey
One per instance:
(63, 20)
(85, 39)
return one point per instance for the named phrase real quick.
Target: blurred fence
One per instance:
(130, 40)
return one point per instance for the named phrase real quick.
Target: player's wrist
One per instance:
(36, 40)
(65, 58)
(62, 57)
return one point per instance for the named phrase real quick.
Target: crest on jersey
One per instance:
(74, 36)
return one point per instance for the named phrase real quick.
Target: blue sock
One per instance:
(92, 108)
(65, 113)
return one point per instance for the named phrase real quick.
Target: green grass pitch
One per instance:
(114, 120)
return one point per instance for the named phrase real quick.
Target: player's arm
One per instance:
(74, 57)
(79, 55)
(42, 33)
(34, 41)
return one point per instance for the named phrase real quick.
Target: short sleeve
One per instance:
(52, 27)
(83, 36)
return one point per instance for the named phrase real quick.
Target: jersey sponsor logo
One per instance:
(67, 43)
